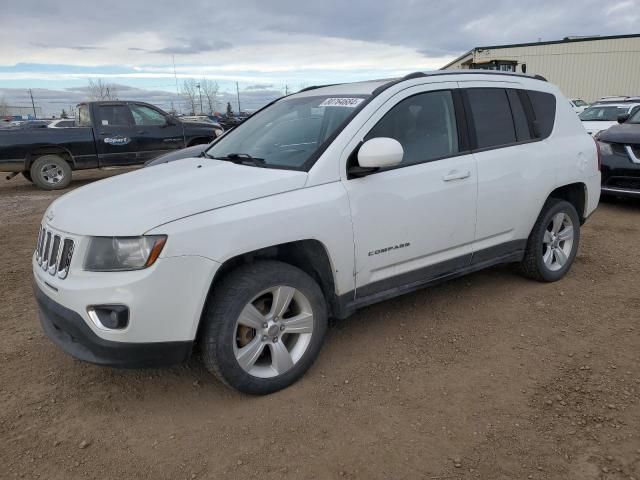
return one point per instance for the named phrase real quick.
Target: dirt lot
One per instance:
(490, 376)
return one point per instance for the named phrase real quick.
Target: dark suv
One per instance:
(620, 149)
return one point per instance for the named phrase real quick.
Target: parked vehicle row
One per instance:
(620, 147)
(115, 133)
(321, 203)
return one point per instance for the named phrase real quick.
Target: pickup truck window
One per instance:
(84, 117)
(110, 115)
(147, 116)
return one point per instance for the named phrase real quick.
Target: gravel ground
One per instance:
(489, 376)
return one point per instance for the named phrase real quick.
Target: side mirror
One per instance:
(380, 152)
(171, 120)
(623, 118)
(373, 155)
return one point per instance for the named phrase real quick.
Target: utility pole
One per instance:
(238, 92)
(286, 89)
(174, 74)
(33, 105)
(200, 93)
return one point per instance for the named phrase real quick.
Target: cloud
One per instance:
(194, 46)
(66, 47)
(259, 87)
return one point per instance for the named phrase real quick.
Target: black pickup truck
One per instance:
(107, 134)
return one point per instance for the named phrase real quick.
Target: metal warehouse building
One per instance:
(583, 67)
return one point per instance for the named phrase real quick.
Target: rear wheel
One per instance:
(553, 243)
(264, 327)
(51, 172)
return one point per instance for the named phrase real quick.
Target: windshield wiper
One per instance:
(241, 158)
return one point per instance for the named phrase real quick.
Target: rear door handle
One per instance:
(456, 175)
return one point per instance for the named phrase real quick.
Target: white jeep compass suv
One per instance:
(321, 203)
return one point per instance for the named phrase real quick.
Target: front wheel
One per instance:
(553, 243)
(264, 327)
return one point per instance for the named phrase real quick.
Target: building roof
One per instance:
(535, 44)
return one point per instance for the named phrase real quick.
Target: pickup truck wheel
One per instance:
(553, 243)
(263, 327)
(51, 172)
(27, 175)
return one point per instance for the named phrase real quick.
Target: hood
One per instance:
(594, 127)
(174, 155)
(133, 203)
(622, 133)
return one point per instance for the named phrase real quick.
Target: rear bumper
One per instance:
(68, 330)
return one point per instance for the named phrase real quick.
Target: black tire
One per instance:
(533, 265)
(27, 175)
(62, 172)
(218, 337)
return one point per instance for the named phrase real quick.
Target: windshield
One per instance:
(289, 132)
(604, 113)
(635, 118)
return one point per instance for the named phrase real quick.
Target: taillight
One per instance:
(599, 154)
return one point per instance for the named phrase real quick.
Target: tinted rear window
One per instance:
(519, 117)
(491, 116)
(544, 110)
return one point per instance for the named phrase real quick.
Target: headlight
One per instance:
(605, 148)
(110, 254)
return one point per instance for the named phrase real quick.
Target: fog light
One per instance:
(112, 317)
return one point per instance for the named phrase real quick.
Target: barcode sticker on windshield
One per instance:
(341, 102)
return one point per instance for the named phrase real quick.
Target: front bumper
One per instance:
(68, 330)
(620, 175)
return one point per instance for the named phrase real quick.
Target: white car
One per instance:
(602, 116)
(321, 203)
(578, 105)
(62, 123)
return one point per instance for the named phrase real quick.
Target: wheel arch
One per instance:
(310, 255)
(41, 150)
(199, 141)
(575, 194)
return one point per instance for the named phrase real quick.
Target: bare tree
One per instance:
(4, 107)
(210, 91)
(101, 90)
(190, 93)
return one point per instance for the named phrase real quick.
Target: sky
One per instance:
(267, 46)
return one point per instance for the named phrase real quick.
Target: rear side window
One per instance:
(519, 116)
(425, 126)
(544, 110)
(491, 116)
(110, 115)
(84, 119)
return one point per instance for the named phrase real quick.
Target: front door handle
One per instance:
(456, 175)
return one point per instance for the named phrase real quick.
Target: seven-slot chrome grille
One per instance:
(54, 252)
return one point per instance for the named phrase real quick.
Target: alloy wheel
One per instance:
(557, 242)
(52, 173)
(273, 332)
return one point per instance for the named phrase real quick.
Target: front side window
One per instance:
(113, 115)
(425, 126)
(288, 133)
(491, 116)
(143, 115)
(635, 116)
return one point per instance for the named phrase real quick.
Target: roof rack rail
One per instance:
(414, 75)
(313, 87)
